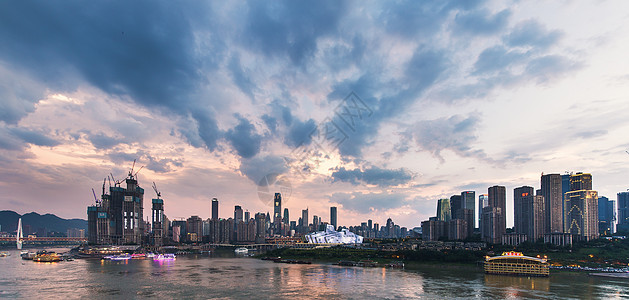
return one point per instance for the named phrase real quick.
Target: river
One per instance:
(203, 277)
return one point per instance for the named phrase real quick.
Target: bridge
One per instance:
(43, 241)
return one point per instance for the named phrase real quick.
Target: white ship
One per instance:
(331, 236)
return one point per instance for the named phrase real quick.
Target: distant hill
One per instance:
(9, 219)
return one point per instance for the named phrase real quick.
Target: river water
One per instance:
(203, 277)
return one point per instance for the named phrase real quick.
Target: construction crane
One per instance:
(109, 179)
(104, 180)
(156, 191)
(95, 198)
(116, 183)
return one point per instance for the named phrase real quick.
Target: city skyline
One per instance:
(217, 100)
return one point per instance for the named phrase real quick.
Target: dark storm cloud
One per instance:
(244, 138)
(421, 72)
(240, 76)
(368, 202)
(373, 175)
(291, 28)
(531, 33)
(142, 49)
(481, 21)
(33, 137)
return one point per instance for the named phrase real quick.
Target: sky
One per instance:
(378, 108)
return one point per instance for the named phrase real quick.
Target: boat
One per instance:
(5, 254)
(150, 255)
(241, 250)
(367, 263)
(346, 263)
(396, 265)
(46, 256)
(516, 263)
(166, 256)
(28, 255)
(138, 255)
(118, 257)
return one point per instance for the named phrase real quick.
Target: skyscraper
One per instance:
(553, 199)
(455, 205)
(581, 209)
(277, 208)
(468, 198)
(214, 208)
(483, 200)
(333, 216)
(606, 216)
(623, 211)
(443, 210)
(304, 217)
(286, 219)
(528, 213)
(238, 216)
(158, 219)
(498, 199)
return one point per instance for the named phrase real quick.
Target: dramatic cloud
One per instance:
(258, 167)
(373, 175)
(244, 138)
(456, 133)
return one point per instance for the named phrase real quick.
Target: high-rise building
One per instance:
(304, 217)
(498, 199)
(553, 199)
(528, 213)
(565, 187)
(443, 210)
(581, 215)
(623, 211)
(277, 207)
(214, 208)
(519, 207)
(158, 219)
(118, 217)
(606, 216)
(238, 214)
(483, 200)
(468, 198)
(455, 204)
(194, 229)
(286, 219)
(247, 216)
(490, 224)
(333, 216)
(260, 228)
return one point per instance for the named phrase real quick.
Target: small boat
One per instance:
(46, 256)
(28, 255)
(5, 254)
(166, 256)
(241, 250)
(346, 263)
(367, 263)
(138, 255)
(150, 255)
(396, 265)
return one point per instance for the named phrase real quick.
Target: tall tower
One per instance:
(455, 205)
(304, 219)
(553, 200)
(444, 212)
(238, 214)
(498, 199)
(286, 218)
(528, 213)
(483, 200)
(623, 211)
(214, 209)
(333, 216)
(581, 207)
(157, 218)
(277, 207)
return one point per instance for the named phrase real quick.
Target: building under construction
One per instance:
(117, 218)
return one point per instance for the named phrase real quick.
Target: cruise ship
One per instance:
(516, 263)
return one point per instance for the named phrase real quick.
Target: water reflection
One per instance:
(221, 277)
